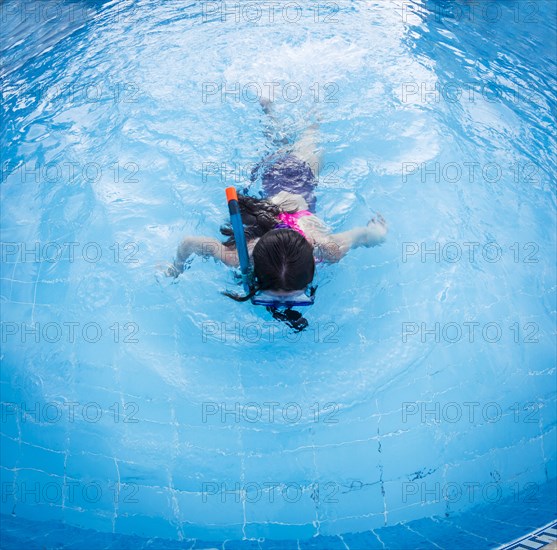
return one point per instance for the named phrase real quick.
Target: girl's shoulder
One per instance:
(314, 228)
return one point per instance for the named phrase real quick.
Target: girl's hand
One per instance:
(376, 231)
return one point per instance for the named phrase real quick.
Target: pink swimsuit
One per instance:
(290, 221)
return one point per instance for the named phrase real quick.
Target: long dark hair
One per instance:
(258, 216)
(282, 260)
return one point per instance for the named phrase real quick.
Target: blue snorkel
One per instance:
(303, 298)
(239, 236)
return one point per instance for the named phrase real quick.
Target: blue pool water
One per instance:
(419, 408)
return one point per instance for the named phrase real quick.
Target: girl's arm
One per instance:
(336, 245)
(202, 246)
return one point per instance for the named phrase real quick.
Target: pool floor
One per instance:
(510, 525)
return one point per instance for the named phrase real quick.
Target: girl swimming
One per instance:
(284, 236)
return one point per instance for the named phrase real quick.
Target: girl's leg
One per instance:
(272, 129)
(306, 148)
(289, 171)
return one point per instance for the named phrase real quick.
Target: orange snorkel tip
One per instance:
(231, 194)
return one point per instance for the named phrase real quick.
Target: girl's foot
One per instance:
(265, 104)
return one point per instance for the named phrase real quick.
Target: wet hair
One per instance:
(259, 216)
(282, 260)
